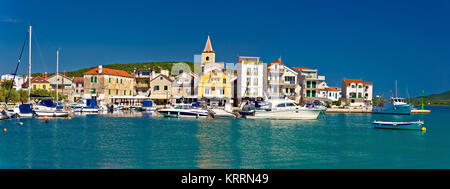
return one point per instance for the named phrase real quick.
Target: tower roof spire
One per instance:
(208, 46)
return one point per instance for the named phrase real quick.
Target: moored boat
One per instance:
(85, 105)
(416, 125)
(394, 106)
(48, 108)
(185, 111)
(147, 105)
(283, 109)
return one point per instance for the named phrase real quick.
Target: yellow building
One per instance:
(38, 83)
(215, 85)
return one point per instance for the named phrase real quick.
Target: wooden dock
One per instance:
(219, 113)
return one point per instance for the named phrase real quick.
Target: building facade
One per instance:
(214, 86)
(357, 93)
(65, 86)
(37, 83)
(78, 84)
(310, 82)
(142, 78)
(103, 84)
(250, 78)
(281, 81)
(161, 89)
(184, 87)
(18, 80)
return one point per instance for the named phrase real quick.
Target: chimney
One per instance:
(100, 69)
(45, 75)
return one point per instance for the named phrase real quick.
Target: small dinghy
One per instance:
(416, 125)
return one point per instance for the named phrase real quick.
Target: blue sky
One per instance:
(378, 41)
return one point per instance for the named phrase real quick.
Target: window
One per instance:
(161, 78)
(290, 79)
(313, 94)
(109, 90)
(290, 104)
(281, 105)
(34, 87)
(117, 80)
(359, 95)
(224, 81)
(313, 84)
(92, 79)
(367, 94)
(94, 91)
(109, 80)
(156, 88)
(308, 93)
(120, 81)
(165, 87)
(207, 58)
(308, 84)
(95, 79)
(353, 86)
(124, 92)
(44, 87)
(360, 86)
(130, 92)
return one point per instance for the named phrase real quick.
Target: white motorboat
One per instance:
(185, 111)
(283, 109)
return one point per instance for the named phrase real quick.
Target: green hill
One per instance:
(434, 99)
(128, 67)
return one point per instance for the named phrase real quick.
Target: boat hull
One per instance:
(52, 114)
(399, 126)
(85, 109)
(183, 113)
(291, 114)
(404, 109)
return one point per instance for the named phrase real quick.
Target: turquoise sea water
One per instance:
(119, 141)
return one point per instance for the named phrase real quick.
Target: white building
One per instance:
(18, 80)
(332, 94)
(281, 81)
(250, 72)
(356, 92)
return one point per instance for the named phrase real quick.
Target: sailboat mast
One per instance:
(29, 68)
(57, 62)
(396, 89)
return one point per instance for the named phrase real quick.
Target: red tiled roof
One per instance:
(35, 80)
(332, 89)
(108, 71)
(208, 46)
(297, 68)
(349, 81)
(277, 61)
(78, 79)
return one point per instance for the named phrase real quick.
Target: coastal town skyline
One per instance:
(336, 56)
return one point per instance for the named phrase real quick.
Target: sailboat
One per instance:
(47, 107)
(22, 110)
(395, 105)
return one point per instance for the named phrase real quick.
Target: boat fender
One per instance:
(4, 130)
(423, 129)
